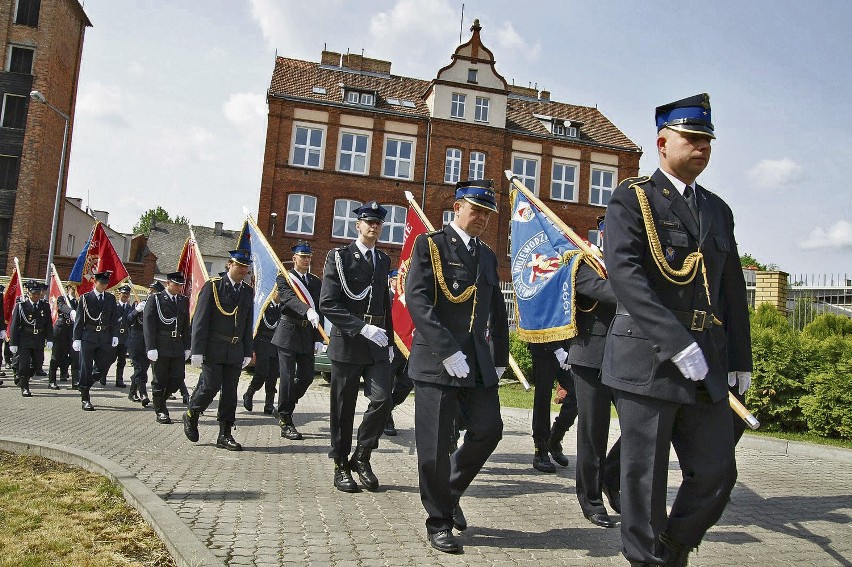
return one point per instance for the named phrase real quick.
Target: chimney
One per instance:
(544, 95)
(217, 228)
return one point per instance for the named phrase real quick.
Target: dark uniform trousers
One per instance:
(402, 383)
(62, 353)
(445, 327)
(121, 350)
(224, 340)
(266, 367)
(352, 355)
(95, 326)
(166, 329)
(545, 369)
(297, 374)
(138, 354)
(656, 319)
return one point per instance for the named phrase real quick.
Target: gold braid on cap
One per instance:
(442, 284)
(690, 263)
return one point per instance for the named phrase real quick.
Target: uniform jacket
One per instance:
(31, 325)
(292, 335)
(346, 344)
(136, 336)
(96, 322)
(268, 323)
(595, 310)
(642, 341)
(223, 336)
(123, 324)
(443, 327)
(63, 326)
(165, 324)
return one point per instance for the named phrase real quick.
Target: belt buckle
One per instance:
(121, 331)
(174, 334)
(97, 328)
(234, 340)
(696, 317)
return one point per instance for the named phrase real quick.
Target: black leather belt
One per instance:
(172, 334)
(378, 320)
(298, 322)
(224, 338)
(694, 320)
(30, 330)
(95, 328)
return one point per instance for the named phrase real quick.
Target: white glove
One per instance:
(153, 355)
(744, 379)
(140, 306)
(246, 361)
(196, 360)
(50, 345)
(186, 354)
(3, 335)
(73, 314)
(375, 334)
(13, 349)
(500, 370)
(318, 347)
(312, 316)
(76, 346)
(691, 362)
(456, 365)
(114, 342)
(390, 354)
(562, 356)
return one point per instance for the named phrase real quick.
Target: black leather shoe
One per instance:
(248, 403)
(459, 521)
(603, 520)
(390, 427)
(290, 432)
(444, 541)
(614, 497)
(53, 386)
(87, 406)
(120, 385)
(228, 442)
(268, 411)
(360, 463)
(145, 402)
(163, 418)
(541, 462)
(343, 480)
(185, 400)
(41, 373)
(190, 426)
(133, 397)
(25, 393)
(63, 378)
(103, 380)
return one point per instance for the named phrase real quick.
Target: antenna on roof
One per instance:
(461, 24)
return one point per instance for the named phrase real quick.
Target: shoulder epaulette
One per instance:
(637, 180)
(215, 279)
(434, 232)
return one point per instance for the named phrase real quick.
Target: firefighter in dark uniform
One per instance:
(265, 358)
(70, 308)
(124, 309)
(296, 338)
(167, 340)
(95, 334)
(137, 351)
(61, 353)
(30, 330)
(402, 384)
(355, 299)
(221, 346)
(681, 326)
(453, 295)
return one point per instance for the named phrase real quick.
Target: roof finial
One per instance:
(475, 27)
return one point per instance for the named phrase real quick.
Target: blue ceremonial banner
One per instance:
(265, 266)
(544, 261)
(80, 264)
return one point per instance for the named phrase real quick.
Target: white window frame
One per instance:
(476, 167)
(575, 189)
(353, 153)
(353, 97)
(601, 188)
(594, 237)
(523, 176)
(480, 113)
(397, 159)
(457, 103)
(368, 99)
(308, 147)
(13, 46)
(394, 223)
(349, 231)
(452, 165)
(300, 213)
(447, 216)
(3, 113)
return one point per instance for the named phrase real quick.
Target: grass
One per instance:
(57, 514)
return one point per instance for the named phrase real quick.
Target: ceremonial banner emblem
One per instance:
(98, 255)
(191, 265)
(55, 290)
(10, 297)
(403, 326)
(265, 266)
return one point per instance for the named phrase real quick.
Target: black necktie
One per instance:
(368, 255)
(471, 247)
(689, 195)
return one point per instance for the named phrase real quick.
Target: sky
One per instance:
(171, 107)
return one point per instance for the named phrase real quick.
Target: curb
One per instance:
(183, 545)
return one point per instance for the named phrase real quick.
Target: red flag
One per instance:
(191, 265)
(403, 326)
(98, 255)
(56, 290)
(11, 295)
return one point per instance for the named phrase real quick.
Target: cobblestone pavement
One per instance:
(274, 503)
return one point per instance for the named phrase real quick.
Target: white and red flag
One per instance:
(191, 265)
(98, 255)
(416, 224)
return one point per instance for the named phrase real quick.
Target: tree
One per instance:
(152, 216)
(747, 260)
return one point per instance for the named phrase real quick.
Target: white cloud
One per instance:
(775, 173)
(103, 102)
(187, 144)
(837, 236)
(246, 110)
(510, 42)
(298, 29)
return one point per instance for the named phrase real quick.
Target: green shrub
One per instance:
(827, 409)
(767, 317)
(827, 325)
(519, 351)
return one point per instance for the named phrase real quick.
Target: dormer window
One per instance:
(362, 98)
(563, 129)
(471, 76)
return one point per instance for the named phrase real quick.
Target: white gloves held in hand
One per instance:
(456, 365)
(246, 361)
(114, 342)
(375, 334)
(140, 306)
(691, 362)
(76, 346)
(743, 378)
(562, 356)
(50, 345)
(319, 347)
(500, 371)
(196, 360)
(390, 354)
(153, 355)
(3, 335)
(186, 354)
(13, 349)
(312, 316)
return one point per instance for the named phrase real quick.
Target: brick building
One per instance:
(345, 131)
(42, 43)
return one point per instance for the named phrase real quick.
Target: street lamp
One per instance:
(272, 218)
(38, 97)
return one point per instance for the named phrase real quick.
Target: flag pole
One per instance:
(58, 279)
(512, 363)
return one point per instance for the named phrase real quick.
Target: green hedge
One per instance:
(519, 351)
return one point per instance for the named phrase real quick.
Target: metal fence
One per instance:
(811, 295)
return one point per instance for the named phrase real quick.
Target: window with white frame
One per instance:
(457, 105)
(603, 183)
(20, 59)
(452, 166)
(394, 228)
(360, 97)
(526, 168)
(563, 185)
(481, 110)
(343, 225)
(307, 146)
(398, 158)
(447, 217)
(353, 152)
(301, 213)
(595, 237)
(476, 169)
(14, 114)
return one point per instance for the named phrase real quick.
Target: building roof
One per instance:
(297, 79)
(167, 239)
